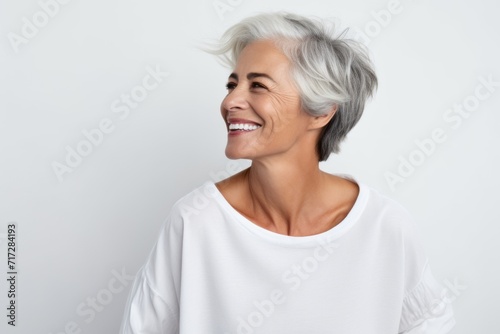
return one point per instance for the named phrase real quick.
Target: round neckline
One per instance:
(296, 241)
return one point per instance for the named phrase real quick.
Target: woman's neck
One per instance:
(288, 197)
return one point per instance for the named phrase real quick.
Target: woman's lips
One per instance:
(241, 126)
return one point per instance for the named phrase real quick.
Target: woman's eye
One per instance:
(230, 85)
(257, 85)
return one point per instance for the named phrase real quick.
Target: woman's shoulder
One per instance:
(375, 206)
(390, 217)
(375, 197)
(206, 198)
(195, 202)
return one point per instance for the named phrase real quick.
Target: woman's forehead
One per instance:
(260, 58)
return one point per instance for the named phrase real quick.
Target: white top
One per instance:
(213, 271)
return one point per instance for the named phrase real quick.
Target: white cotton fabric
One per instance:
(213, 271)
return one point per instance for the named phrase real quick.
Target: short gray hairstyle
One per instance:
(330, 71)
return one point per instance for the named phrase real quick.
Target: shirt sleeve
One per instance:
(152, 306)
(426, 309)
(146, 311)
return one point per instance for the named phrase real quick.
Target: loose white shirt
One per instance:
(213, 271)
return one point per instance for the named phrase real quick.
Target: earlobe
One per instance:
(321, 121)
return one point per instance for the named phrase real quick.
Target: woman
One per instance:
(283, 247)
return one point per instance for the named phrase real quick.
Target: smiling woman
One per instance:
(268, 100)
(283, 247)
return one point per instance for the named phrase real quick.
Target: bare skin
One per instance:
(284, 190)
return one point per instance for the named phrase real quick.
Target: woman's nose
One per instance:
(235, 99)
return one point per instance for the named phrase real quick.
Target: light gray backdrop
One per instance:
(109, 113)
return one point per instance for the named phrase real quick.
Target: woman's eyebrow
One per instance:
(254, 75)
(251, 76)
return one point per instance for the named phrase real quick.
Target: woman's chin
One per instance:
(237, 153)
(231, 154)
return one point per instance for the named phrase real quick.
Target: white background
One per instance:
(74, 235)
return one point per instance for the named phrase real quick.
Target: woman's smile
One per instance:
(239, 126)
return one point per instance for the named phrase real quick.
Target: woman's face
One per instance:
(262, 109)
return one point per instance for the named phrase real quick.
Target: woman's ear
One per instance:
(318, 122)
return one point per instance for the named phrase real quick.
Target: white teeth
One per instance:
(245, 127)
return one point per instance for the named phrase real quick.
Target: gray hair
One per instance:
(329, 71)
